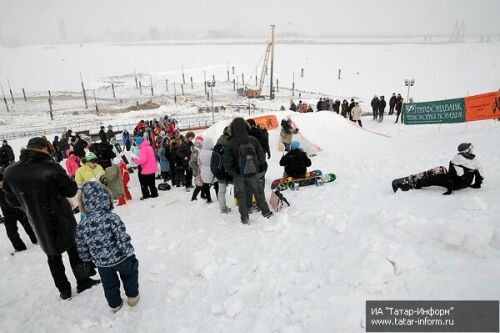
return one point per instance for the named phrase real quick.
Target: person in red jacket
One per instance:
(125, 178)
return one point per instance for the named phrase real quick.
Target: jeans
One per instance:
(129, 274)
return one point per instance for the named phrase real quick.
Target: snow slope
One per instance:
(311, 267)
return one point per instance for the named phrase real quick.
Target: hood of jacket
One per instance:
(239, 128)
(144, 143)
(223, 140)
(34, 155)
(96, 197)
(208, 144)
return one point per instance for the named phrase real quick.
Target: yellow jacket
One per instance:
(86, 173)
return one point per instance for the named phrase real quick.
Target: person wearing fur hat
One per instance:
(146, 161)
(101, 238)
(464, 171)
(193, 164)
(295, 161)
(89, 170)
(40, 188)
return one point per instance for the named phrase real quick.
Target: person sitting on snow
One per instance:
(295, 161)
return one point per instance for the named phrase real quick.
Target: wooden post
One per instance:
(11, 94)
(50, 96)
(136, 105)
(6, 104)
(302, 72)
(191, 82)
(95, 100)
(256, 82)
(234, 84)
(213, 78)
(140, 87)
(183, 77)
(24, 95)
(113, 88)
(233, 70)
(243, 78)
(84, 93)
(271, 92)
(166, 84)
(277, 85)
(175, 94)
(182, 89)
(151, 84)
(50, 109)
(339, 73)
(208, 96)
(293, 83)
(228, 76)
(205, 80)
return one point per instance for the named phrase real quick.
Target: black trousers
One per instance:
(397, 116)
(57, 270)
(240, 185)
(189, 177)
(11, 228)
(148, 187)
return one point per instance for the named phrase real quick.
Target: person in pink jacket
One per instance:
(146, 161)
(72, 164)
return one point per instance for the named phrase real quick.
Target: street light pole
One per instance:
(409, 83)
(211, 85)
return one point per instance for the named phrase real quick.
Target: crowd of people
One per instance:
(37, 191)
(352, 109)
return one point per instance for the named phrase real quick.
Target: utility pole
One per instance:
(11, 95)
(5, 100)
(95, 101)
(84, 93)
(271, 94)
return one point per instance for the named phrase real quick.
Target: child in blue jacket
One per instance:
(101, 238)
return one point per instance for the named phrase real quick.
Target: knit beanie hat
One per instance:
(139, 140)
(464, 147)
(199, 138)
(294, 145)
(90, 156)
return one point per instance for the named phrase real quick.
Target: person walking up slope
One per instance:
(101, 237)
(243, 158)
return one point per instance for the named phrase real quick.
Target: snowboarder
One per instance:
(295, 161)
(463, 171)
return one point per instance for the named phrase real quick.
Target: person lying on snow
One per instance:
(464, 171)
(295, 161)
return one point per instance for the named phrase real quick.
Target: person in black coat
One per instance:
(375, 104)
(336, 106)
(102, 134)
(392, 103)
(104, 152)
(260, 134)
(6, 154)
(295, 161)
(40, 188)
(349, 108)
(345, 107)
(293, 107)
(79, 147)
(381, 108)
(11, 216)
(399, 108)
(183, 154)
(238, 131)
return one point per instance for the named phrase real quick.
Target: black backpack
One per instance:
(247, 160)
(216, 165)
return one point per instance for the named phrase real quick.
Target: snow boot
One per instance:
(116, 309)
(268, 214)
(87, 285)
(132, 301)
(65, 295)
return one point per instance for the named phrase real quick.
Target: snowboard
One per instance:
(297, 183)
(120, 152)
(277, 182)
(416, 180)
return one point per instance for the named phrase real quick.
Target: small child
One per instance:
(101, 238)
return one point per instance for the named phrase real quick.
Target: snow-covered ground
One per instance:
(313, 265)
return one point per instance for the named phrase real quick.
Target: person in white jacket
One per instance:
(356, 114)
(206, 174)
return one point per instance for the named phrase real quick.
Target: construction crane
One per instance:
(253, 93)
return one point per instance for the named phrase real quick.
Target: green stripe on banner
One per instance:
(435, 112)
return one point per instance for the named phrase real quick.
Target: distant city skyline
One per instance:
(32, 21)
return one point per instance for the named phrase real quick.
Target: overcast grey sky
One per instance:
(93, 18)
